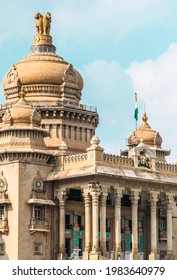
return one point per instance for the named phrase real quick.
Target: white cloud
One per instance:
(156, 84)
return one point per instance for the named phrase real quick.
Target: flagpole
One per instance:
(136, 110)
(135, 125)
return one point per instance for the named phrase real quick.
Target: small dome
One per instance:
(21, 114)
(145, 133)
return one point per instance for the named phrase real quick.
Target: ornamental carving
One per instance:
(43, 56)
(95, 141)
(12, 75)
(70, 75)
(143, 161)
(43, 23)
(7, 119)
(144, 155)
(38, 184)
(35, 117)
(3, 183)
(94, 187)
(61, 195)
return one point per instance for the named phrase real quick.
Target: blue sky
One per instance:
(119, 47)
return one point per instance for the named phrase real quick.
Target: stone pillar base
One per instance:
(85, 255)
(62, 256)
(170, 255)
(153, 256)
(104, 253)
(94, 255)
(134, 256)
(118, 256)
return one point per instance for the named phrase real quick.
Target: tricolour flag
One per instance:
(136, 107)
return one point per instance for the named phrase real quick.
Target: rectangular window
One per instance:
(2, 248)
(38, 212)
(108, 225)
(163, 225)
(68, 221)
(1, 212)
(81, 222)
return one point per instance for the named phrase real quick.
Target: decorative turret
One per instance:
(149, 137)
(21, 114)
(21, 136)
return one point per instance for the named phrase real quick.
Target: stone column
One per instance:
(66, 131)
(72, 133)
(62, 197)
(153, 210)
(88, 135)
(134, 206)
(83, 134)
(117, 209)
(170, 253)
(87, 202)
(103, 223)
(95, 189)
(61, 134)
(54, 131)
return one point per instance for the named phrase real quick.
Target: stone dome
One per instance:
(21, 114)
(150, 137)
(44, 75)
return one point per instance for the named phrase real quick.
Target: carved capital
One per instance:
(94, 188)
(62, 195)
(169, 201)
(153, 199)
(134, 197)
(87, 198)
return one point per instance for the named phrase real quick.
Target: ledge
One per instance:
(41, 201)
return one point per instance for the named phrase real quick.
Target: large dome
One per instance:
(149, 136)
(44, 75)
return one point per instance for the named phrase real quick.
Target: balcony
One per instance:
(39, 226)
(163, 235)
(4, 228)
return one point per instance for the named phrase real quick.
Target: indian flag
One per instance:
(136, 107)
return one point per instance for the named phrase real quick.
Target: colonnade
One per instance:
(95, 198)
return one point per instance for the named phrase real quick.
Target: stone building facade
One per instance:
(61, 195)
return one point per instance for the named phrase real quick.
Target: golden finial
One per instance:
(43, 28)
(144, 118)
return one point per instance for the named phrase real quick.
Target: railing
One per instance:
(117, 159)
(4, 228)
(59, 103)
(166, 166)
(78, 106)
(163, 234)
(76, 158)
(42, 225)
